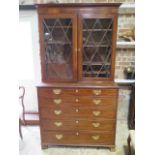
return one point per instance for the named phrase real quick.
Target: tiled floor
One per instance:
(31, 142)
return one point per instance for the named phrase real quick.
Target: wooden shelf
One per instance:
(123, 44)
(95, 72)
(96, 64)
(60, 43)
(85, 30)
(96, 46)
(58, 27)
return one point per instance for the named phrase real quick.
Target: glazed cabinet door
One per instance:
(58, 43)
(96, 52)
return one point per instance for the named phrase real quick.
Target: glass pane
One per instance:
(97, 44)
(58, 47)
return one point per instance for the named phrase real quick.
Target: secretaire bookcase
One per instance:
(77, 96)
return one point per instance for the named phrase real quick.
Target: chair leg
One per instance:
(20, 130)
(129, 148)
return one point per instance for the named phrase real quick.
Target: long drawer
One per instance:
(79, 138)
(55, 92)
(72, 113)
(98, 102)
(59, 124)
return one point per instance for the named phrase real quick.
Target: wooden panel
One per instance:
(72, 10)
(81, 85)
(80, 138)
(55, 92)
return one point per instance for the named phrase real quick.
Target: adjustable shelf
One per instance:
(85, 30)
(58, 27)
(96, 64)
(60, 43)
(96, 73)
(96, 46)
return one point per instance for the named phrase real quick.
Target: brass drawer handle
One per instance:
(96, 113)
(58, 124)
(77, 133)
(97, 92)
(57, 91)
(97, 101)
(59, 136)
(57, 112)
(77, 100)
(97, 137)
(96, 125)
(57, 101)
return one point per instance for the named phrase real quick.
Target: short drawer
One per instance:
(59, 124)
(78, 138)
(97, 92)
(97, 102)
(84, 113)
(55, 92)
(58, 113)
(58, 102)
(97, 125)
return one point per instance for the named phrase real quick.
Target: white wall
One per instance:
(29, 45)
(30, 70)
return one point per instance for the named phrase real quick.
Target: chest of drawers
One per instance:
(78, 115)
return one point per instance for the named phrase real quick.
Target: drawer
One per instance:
(54, 92)
(58, 113)
(58, 102)
(78, 113)
(97, 125)
(97, 92)
(84, 113)
(59, 124)
(97, 102)
(78, 138)
(84, 102)
(90, 102)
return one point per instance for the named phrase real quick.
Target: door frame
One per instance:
(90, 15)
(73, 17)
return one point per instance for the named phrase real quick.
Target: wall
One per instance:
(125, 56)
